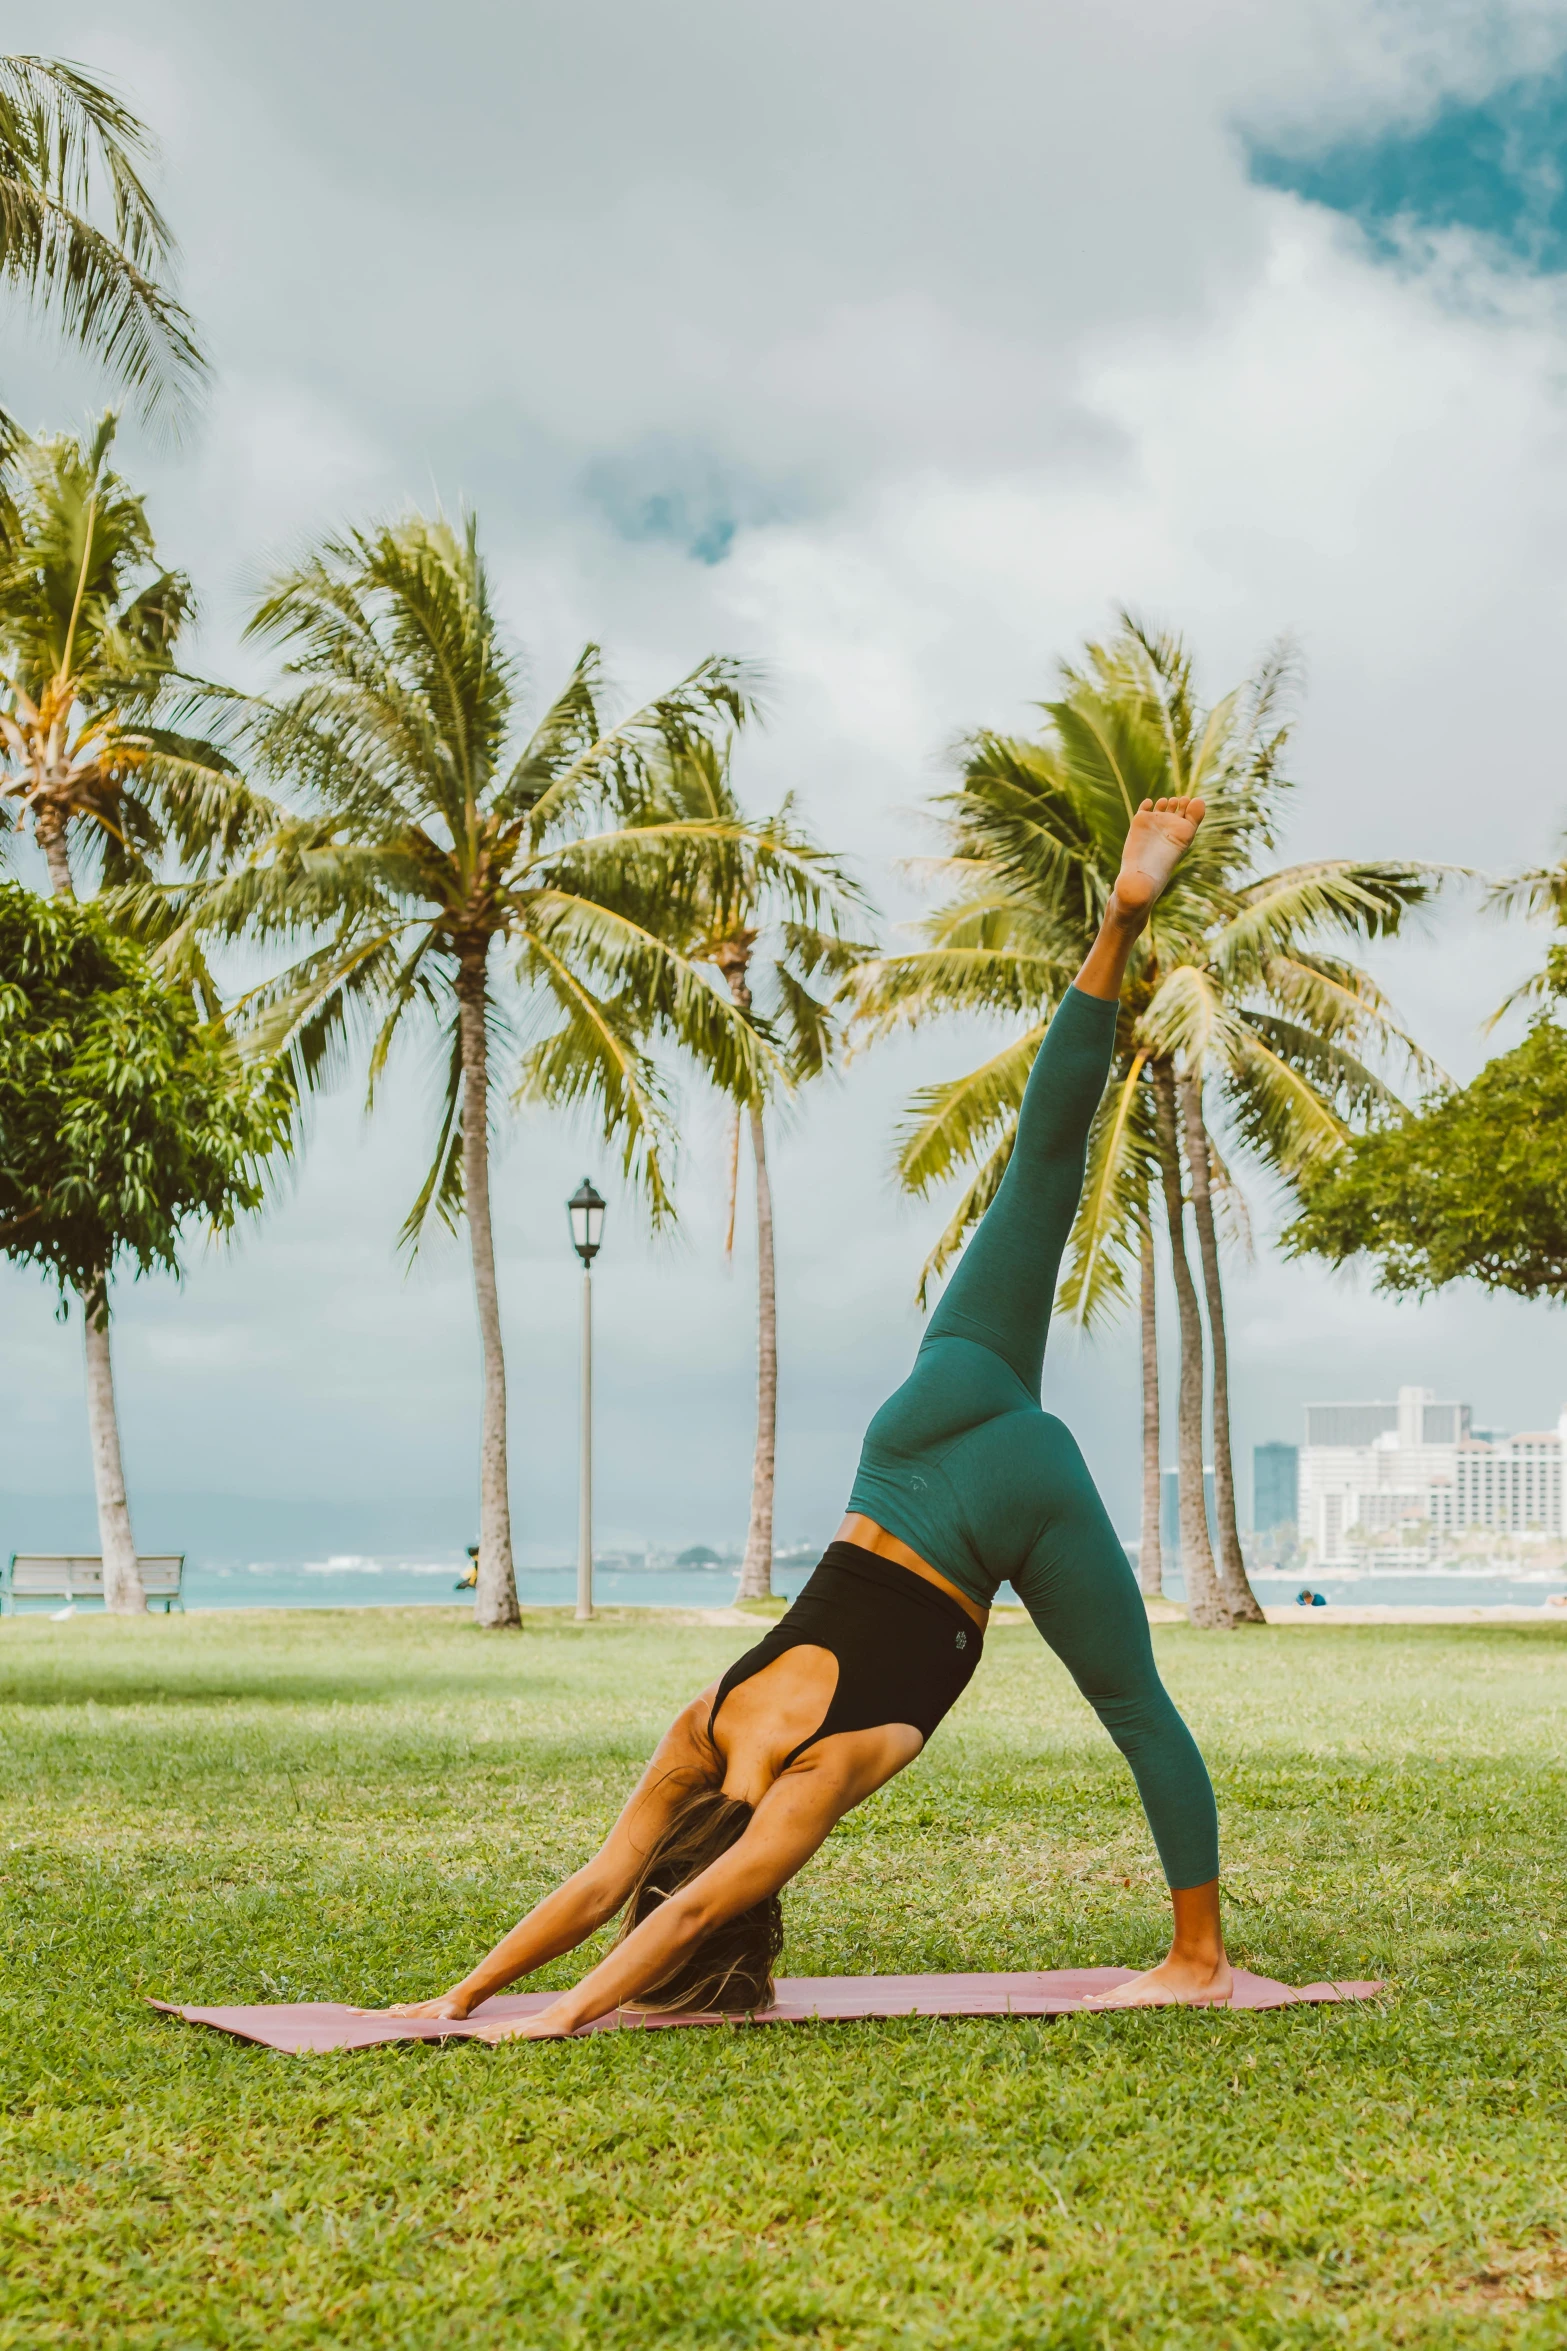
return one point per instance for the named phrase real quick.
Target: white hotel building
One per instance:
(1412, 1474)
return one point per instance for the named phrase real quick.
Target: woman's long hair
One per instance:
(732, 1968)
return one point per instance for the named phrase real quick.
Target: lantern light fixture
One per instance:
(586, 1211)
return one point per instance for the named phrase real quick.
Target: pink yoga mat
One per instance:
(296, 2026)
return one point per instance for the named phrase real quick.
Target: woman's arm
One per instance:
(797, 1813)
(596, 1891)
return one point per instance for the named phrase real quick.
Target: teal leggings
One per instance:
(963, 1465)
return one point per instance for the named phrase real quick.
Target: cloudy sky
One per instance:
(893, 347)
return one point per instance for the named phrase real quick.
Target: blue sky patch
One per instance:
(1497, 166)
(682, 496)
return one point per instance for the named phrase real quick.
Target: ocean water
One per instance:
(352, 1580)
(356, 1582)
(1426, 1587)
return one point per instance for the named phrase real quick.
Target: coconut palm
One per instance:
(1036, 831)
(1296, 1066)
(763, 919)
(1035, 834)
(95, 762)
(69, 149)
(1290, 1036)
(514, 891)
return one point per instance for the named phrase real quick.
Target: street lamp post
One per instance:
(586, 1211)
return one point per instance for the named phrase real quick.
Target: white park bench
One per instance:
(67, 1575)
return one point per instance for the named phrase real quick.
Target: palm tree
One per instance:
(438, 862)
(92, 703)
(92, 752)
(1296, 1070)
(1288, 1034)
(1036, 831)
(780, 917)
(68, 148)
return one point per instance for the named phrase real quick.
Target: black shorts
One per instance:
(905, 1649)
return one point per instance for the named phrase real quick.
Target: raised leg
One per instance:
(1003, 1290)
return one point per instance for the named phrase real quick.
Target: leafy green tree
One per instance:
(770, 913)
(439, 865)
(70, 150)
(1472, 1185)
(1035, 833)
(124, 1118)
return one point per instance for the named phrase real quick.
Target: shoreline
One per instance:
(1160, 1612)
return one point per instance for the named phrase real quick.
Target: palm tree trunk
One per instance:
(1205, 1600)
(495, 1594)
(756, 1569)
(57, 856)
(122, 1585)
(1150, 1558)
(733, 958)
(1232, 1567)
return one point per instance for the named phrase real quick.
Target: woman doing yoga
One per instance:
(963, 1484)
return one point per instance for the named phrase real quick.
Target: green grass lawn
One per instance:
(352, 1806)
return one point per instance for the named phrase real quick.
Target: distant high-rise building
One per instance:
(1418, 1418)
(1170, 1511)
(1411, 1472)
(1275, 1486)
(1348, 1424)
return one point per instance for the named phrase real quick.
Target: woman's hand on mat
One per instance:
(449, 2006)
(548, 2024)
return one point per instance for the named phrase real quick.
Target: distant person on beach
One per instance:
(1310, 1599)
(964, 1483)
(468, 1581)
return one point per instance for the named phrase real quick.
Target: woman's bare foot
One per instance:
(1177, 1983)
(1159, 836)
(1197, 1973)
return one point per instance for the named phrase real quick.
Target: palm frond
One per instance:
(1540, 892)
(596, 1056)
(1104, 1251)
(441, 1194)
(1328, 897)
(1277, 1110)
(63, 137)
(1187, 1017)
(613, 767)
(948, 1126)
(1338, 1001)
(975, 1199)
